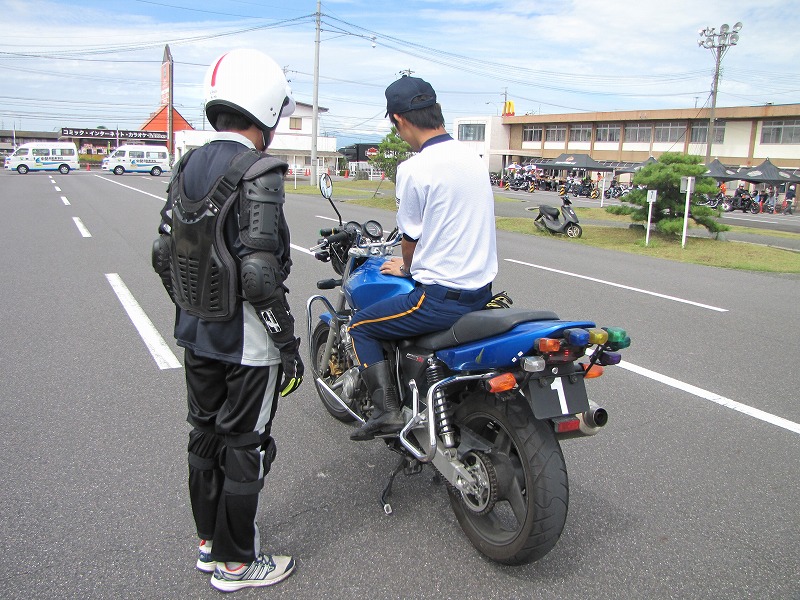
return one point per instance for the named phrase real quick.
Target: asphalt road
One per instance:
(691, 491)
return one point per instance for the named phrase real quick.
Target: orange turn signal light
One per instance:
(592, 372)
(549, 345)
(501, 383)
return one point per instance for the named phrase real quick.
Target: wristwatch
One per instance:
(404, 272)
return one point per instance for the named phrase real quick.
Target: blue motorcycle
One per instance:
(485, 402)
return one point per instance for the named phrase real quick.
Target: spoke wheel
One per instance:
(334, 369)
(522, 516)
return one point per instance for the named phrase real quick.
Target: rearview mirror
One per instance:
(326, 186)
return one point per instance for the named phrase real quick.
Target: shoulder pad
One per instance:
(263, 165)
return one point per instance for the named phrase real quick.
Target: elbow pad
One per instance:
(161, 261)
(262, 286)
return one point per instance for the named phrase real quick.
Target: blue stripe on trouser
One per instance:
(424, 310)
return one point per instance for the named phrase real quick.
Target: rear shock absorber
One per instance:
(441, 407)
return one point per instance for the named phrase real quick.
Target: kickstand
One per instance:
(387, 491)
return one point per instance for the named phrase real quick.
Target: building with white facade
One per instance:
(292, 141)
(743, 135)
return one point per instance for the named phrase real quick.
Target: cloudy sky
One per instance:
(93, 63)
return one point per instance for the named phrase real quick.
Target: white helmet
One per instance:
(252, 84)
(791, 187)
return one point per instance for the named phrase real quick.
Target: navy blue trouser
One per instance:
(426, 309)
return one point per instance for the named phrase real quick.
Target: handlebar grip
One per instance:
(337, 237)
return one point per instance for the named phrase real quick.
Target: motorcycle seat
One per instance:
(481, 324)
(550, 211)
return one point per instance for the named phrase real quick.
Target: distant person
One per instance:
(224, 216)
(789, 199)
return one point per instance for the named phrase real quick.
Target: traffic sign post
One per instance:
(651, 199)
(687, 185)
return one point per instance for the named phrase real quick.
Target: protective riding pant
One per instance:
(231, 408)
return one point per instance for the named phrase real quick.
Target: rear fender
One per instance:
(504, 351)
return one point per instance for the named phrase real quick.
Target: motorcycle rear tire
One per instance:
(532, 495)
(317, 347)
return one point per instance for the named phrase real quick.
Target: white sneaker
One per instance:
(204, 561)
(265, 570)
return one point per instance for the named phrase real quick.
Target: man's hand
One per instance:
(293, 367)
(394, 266)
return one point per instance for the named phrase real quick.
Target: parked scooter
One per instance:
(550, 220)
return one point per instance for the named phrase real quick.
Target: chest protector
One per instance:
(205, 278)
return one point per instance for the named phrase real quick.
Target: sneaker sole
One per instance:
(206, 567)
(232, 586)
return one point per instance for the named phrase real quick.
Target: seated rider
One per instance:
(446, 217)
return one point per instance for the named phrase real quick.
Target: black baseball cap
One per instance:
(409, 93)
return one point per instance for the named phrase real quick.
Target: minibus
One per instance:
(131, 158)
(43, 156)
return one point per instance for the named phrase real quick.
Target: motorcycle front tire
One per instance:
(531, 490)
(574, 230)
(318, 340)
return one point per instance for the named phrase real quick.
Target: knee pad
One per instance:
(243, 464)
(204, 450)
(269, 451)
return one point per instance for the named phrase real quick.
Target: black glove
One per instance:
(293, 367)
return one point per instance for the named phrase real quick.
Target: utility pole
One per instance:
(315, 109)
(718, 43)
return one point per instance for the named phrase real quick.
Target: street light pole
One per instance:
(718, 43)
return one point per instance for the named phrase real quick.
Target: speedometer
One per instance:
(373, 230)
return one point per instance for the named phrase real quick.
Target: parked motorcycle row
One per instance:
(485, 403)
(744, 202)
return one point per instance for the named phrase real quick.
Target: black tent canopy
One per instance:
(718, 171)
(766, 172)
(572, 162)
(636, 168)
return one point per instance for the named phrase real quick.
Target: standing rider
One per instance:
(223, 256)
(446, 217)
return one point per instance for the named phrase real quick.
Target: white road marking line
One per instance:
(732, 218)
(58, 189)
(158, 348)
(619, 285)
(162, 198)
(706, 395)
(81, 227)
(64, 200)
(301, 249)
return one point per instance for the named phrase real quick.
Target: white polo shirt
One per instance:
(445, 202)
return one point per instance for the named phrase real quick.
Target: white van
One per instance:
(138, 159)
(44, 156)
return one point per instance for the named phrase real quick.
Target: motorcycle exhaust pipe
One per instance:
(593, 419)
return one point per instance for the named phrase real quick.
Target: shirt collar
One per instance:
(230, 136)
(445, 137)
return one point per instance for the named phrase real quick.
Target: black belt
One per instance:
(466, 296)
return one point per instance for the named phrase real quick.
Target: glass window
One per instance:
(296, 123)
(157, 155)
(40, 152)
(21, 152)
(556, 133)
(580, 133)
(638, 132)
(64, 152)
(670, 131)
(532, 133)
(472, 133)
(699, 133)
(608, 132)
(136, 154)
(119, 154)
(781, 132)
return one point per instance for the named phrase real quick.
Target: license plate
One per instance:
(557, 397)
